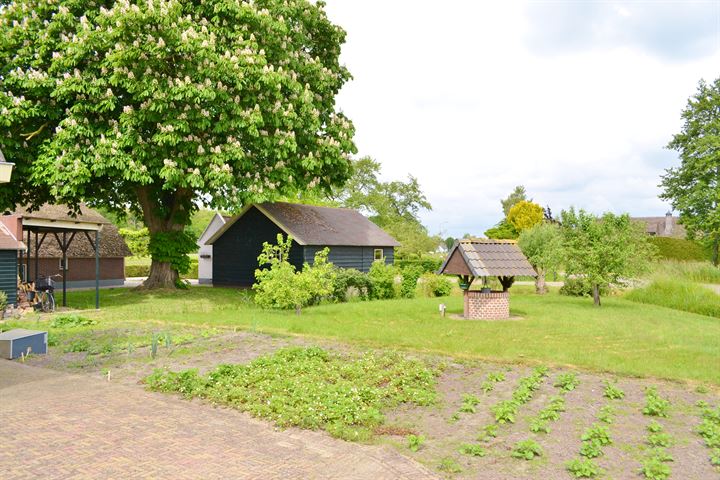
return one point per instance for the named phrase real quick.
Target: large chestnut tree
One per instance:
(162, 105)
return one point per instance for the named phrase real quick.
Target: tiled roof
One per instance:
(7, 239)
(491, 258)
(312, 225)
(62, 213)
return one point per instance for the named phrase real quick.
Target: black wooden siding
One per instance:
(359, 258)
(8, 274)
(235, 252)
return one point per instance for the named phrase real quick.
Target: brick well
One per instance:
(486, 306)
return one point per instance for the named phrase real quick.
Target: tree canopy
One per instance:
(517, 195)
(525, 215)
(603, 251)
(693, 188)
(542, 245)
(159, 106)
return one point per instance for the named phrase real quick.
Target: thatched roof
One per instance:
(111, 243)
(62, 213)
(312, 225)
(487, 258)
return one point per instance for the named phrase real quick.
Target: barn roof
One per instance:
(487, 258)
(313, 225)
(7, 239)
(62, 213)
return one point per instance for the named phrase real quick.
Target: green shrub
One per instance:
(580, 287)
(679, 249)
(382, 277)
(137, 270)
(583, 468)
(655, 469)
(193, 272)
(408, 284)
(655, 406)
(280, 286)
(415, 442)
(597, 433)
(349, 280)
(679, 295)
(138, 241)
(472, 449)
(66, 320)
(311, 388)
(426, 264)
(613, 392)
(527, 450)
(434, 285)
(567, 382)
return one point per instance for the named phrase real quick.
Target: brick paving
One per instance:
(60, 426)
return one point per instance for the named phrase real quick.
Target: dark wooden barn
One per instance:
(9, 247)
(353, 240)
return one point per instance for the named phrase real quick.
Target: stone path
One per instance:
(55, 425)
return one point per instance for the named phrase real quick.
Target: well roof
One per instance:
(313, 225)
(489, 258)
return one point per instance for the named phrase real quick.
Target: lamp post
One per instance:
(5, 169)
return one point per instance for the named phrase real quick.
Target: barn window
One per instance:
(378, 254)
(60, 264)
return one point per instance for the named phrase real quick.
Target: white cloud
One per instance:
(452, 93)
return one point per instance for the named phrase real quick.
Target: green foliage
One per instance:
(382, 277)
(505, 411)
(434, 285)
(583, 468)
(502, 231)
(606, 250)
(173, 247)
(654, 468)
(415, 442)
(524, 215)
(527, 450)
(567, 382)
(580, 287)
(496, 377)
(591, 449)
(162, 106)
(408, 284)
(350, 279)
(679, 295)
(449, 465)
(427, 263)
(655, 406)
(312, 388)
(472, 449)
(709, 430)
(654, 427)
(607, 414)
(280, 286)
(3, 302)
(69, 320)
(538, 425)
(659, 439)
(542, 245)
(693, 188)
(701, 272)
(469, 402)
(489, 431)
(669, 248)
(517, 195)
(597, 433)
(138, 241)
(552, 411)
(613, 392)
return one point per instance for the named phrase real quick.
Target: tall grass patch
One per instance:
(685, 296)
(311, 388)
(701, 272)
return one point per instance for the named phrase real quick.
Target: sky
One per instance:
(575, 100)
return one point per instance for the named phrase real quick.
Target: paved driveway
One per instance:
(55, 425)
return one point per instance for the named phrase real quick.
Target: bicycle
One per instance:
(45, 288)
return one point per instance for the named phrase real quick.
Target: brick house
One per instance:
(80, 252)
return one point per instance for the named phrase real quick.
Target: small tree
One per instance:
(525, 215)
(502, 231)
(382, 277)
(542, 245)
(603, 251)
(281, 286)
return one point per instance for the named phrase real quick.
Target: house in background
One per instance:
(667, 226)
(80, 249)
(205, 253)
(9, 248)
(354, 241)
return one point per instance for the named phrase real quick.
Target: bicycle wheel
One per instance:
(48, 302)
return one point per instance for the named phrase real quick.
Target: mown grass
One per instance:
(680, 295)
(621, 336)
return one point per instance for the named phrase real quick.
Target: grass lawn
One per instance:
(621, 336)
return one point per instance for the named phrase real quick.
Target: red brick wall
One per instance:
(80, 268)
(486, 306)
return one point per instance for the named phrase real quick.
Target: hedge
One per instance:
(144, 270)
(679, 249)
(426, 264)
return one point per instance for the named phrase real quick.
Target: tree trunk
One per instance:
(153, 203)
(540, 288)
(596, 294)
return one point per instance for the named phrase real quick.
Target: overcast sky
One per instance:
(575, 100)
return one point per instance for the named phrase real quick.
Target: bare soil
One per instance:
(444, 436)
